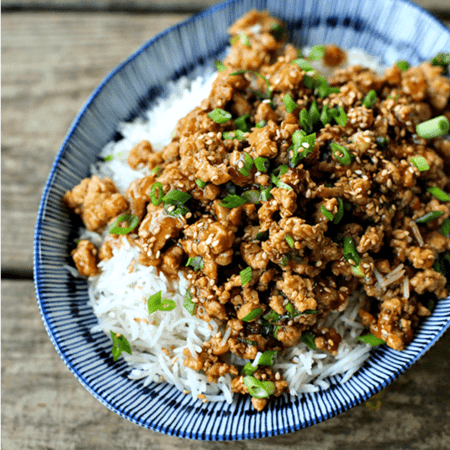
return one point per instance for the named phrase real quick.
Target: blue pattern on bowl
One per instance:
(390, 30)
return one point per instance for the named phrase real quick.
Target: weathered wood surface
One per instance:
(51, 62)
(44, 407)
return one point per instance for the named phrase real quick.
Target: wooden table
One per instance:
(54, 53)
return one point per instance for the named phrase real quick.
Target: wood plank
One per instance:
(44, 406)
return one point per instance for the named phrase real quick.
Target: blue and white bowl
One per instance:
(387, 29)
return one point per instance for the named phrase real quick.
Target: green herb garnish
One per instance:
(120, 344)
(131, 219)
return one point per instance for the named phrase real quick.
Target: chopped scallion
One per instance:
(252, 315)
(308, 339)
(201, 184)
(341, 154)
(402, 65)
(382, 143)
(232, 201)
(247, 165)
(154, 303)
(421, 163)
(433, 128)
(305, 121)
(196, 262)
(443, 60)
(219, 115)
(220, 66)
(278, 183)
(108, 158)
(246, 275)
(120, 344)
(156, 198)
(189, 305)
(131, 219)
(257, 388)
(236, 134)
(248, 369)
(252, 196)
(317, 52)
(439, 194)
(289, 240)
(262, 164)
(371, 339)
(427, 218)
(175, 196)
(241, 123)
(289, 103)
(277, 30)
(303, 64)
(261, 124)
(341, 119)
(262, 235)
(445, 227)
(314, 112)
(340, 214)
(267, 358)
(350, 252)
(265, 193)
(328, 214)
(370, 99)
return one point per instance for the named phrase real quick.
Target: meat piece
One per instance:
(85, 257)
(143, 155)
(96, 201)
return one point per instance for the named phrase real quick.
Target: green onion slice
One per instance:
(265, 193)
(289, 240)
(261, 124)
(175, 196)
(156, 199)
(262, 164)
(340, 214)
(189, 304)
(196, 262)
(273, 316)
(262, 235)
(246, 275)
(439, 194)
(219, 115)
(241, 123)
(445, 227)
(317, 52)
(236, 134)
(308, 338)
(325, 117)
(433, 128)
(232, 201)
(201, 184)
(420, 162)
(247, 341)
(371, 339)
(370, 99)
(252, 315)
(427, 218)
(252, 196)
(277, 30)
(305, 120)
(131, 219)
(267, 358)
(341, 154)
(303, 145)
(350, 252)
(402, 65)
(281, 184)
(341, 119)
(154, 303)
(257, 388)
(108, 158)
(303, 64)
(324, 89)
(314, 112)
(328, 214)
(248, 369)
(289, 103)
(382, 142)
(120, 344)
(220, 66)
(246, 169)
(443, 60)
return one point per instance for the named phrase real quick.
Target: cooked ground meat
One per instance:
(276, 197)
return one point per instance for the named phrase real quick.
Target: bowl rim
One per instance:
(359, 398)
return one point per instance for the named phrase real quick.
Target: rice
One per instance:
(118, 295)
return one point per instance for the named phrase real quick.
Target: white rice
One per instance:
(118, 295)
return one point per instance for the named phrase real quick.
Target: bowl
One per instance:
(387, 29)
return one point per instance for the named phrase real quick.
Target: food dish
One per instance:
(324, 396)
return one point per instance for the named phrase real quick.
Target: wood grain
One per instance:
(44, 406)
